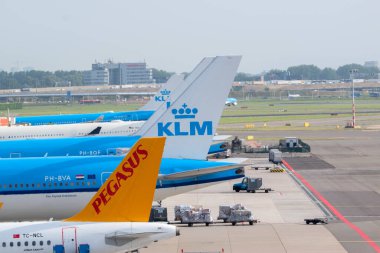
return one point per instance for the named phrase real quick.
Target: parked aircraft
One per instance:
(84, 146)
(114, 220)
(68, 128)
(184, 125)
(113, 128)
(189, 132)
(231, 101)
(58, 187)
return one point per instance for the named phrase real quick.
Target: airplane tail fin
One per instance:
(193, 111)
(127, 194)
(164, 93)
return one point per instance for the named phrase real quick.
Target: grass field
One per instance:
(257, 110)
(277, 110)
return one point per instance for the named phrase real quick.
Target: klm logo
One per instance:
(184, 128)
(163, 97)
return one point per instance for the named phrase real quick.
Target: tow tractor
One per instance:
(250, 184)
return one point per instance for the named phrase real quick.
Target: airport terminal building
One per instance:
(111, 73)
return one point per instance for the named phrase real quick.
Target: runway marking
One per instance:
(360, 232)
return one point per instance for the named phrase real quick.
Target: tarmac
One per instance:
(342, 167)
(280, 214)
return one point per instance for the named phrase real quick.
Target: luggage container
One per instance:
(236, 213)
(190, 215)
(158, 213)
(275, 156)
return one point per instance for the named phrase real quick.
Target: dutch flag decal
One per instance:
(79, 177)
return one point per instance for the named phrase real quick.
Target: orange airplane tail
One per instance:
(128, 193)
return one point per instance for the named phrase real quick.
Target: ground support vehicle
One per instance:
(250, 184)
(234, 214)
(190, 215)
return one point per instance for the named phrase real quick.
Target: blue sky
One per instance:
(175, 35)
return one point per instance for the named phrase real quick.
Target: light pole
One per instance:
(352, 75)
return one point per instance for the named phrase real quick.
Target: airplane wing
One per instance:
(199, 172)
(121, 238)
(221, 137)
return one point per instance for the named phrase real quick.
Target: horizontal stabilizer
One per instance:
(221, 137)
(121, 238)
(199, 172)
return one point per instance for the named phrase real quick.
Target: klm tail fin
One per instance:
(195, 109)
(127, 194)
(175, 86)
(164, 93)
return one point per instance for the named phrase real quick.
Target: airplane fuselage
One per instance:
(69, 130)
(59, 119)
(59, 187)
(99, 237)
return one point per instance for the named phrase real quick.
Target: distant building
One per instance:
(118, 73)
(96, 77)
(371, 64)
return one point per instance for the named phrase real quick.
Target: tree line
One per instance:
(312, 72)
(38, 79)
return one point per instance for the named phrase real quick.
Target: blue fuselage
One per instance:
(80, 118)
(76, 146)
(87, 174)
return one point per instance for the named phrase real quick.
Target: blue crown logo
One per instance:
(165, 92)
(184, 112)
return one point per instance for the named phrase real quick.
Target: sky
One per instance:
(174, 35)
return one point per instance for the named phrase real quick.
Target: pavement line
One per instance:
(360, 232)
(316, 201)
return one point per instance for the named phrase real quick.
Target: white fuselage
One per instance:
(44, 206)
(69, 130)
(100, 237)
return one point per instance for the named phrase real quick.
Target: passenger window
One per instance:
(26, 244)
(48, 242)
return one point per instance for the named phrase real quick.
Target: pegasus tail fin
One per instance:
(127, 194)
